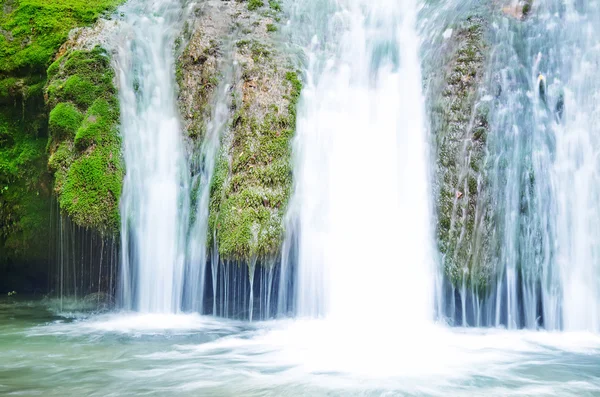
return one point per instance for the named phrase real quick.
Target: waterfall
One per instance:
(359, 224)
(542, 168)
(546, 131)
(362, 199)
(155, 202)
(573, 79)
(197, 250)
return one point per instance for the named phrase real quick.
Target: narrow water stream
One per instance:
(155, 203)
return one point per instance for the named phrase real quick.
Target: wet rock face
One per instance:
(460, 127)
(233, 43)
(197, 70)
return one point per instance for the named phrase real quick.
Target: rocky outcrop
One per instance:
(31, 33)
(460, 126)
(253, 177)
(84, 139)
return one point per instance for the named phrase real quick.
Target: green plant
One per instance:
(275, 5)
(255, 4)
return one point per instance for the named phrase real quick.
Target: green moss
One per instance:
(86, 161)
(255, 4)
(64, 120)
(100, 124)
(275, 5)
(31, 32)
(203, 62)
(44, 25)
(527, 8)
(260, 52)
(24, 191)
(242, 43)
(252, 182)
(62, 157)
(271, 27)
(80, 90)
(461, 129)
(92, 189)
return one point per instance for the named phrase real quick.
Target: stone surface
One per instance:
(234, 43)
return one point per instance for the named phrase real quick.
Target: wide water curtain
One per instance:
(541, 170)
(362, 180)
(575, 173)
(154, 207)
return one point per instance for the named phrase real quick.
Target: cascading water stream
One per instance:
(360, 238)
(551, 203)
(575, 172)
(197, 248)
(362, 197)
(155, 202)
(543, 170)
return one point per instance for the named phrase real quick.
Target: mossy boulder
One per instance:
(84, 143)
(31, 33)
(460, 125)
(64, 120)
(252, 181)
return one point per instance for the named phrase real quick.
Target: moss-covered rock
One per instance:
(24, 190)
(460, 126)
(64, 120)
(197, 76)
(31, 32)
(252, 180)
(84, 143)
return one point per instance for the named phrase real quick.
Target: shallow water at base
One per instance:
(118, 354)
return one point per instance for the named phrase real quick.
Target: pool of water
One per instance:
(50, 353)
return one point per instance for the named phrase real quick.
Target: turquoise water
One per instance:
(46, 353)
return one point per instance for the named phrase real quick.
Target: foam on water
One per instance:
(191, 354)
